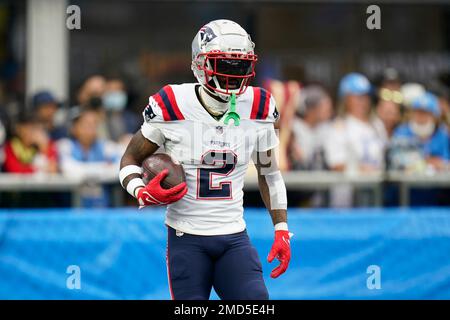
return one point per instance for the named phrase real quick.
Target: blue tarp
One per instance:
(121, 253)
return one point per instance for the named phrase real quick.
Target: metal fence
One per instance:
(295, 181)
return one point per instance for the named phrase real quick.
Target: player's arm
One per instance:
(273, 193)
(130, 175)
(268, 171)
(138, 149)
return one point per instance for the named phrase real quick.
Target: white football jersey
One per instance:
(215, 156)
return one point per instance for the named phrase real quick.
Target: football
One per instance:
(157, 163)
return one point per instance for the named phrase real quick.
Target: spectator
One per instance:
(431, 142)
(410, 91)
(90, 96)
(46, 106)
(389, 79)
(314, 109)
(91, 92)
(388, 107)
(443, 94)
(388, 103)
(109, 99)
(352, 143)
(423, 127)
(388, 112)
(121, 123)
(30, 150)
(85, 155)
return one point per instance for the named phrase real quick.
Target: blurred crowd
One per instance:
(367, 127)
(373, 126)
(86, 139)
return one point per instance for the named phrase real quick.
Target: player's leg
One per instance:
(238, 272)
(189, 268)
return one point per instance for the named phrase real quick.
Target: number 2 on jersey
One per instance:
(206, 188)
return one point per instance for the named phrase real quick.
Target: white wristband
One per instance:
(281, 226)
(127, 170)
(133, 185)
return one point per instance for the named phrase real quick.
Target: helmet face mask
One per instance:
(223, 60)
(228, 73)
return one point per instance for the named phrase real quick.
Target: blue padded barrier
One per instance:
(121, 253)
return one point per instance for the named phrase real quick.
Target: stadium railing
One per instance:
(294, 180)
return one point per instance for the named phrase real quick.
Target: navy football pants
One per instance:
(229, 263)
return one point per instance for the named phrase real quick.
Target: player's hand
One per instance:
(153, 194)
(281, 249)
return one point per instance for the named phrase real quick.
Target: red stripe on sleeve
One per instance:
(169, 91)
(163, 107)
(256, 99)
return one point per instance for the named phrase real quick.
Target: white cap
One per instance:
(410, 92)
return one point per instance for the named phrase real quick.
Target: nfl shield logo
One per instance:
(219, 130)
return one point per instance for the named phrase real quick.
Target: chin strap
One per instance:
(232, 114)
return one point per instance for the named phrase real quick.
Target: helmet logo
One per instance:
(206, 35)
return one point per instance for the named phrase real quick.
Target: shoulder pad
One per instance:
(263, 105)
(162, 106)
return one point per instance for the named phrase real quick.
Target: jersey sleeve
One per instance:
(162, 108)
(153, 123)
(266, 135)
(263, 106)
(273, 114)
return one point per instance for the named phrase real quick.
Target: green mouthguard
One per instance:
(232, 114)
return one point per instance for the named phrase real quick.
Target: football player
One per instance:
(213, 128)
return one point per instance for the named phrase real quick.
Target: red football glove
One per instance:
(281, 249)
(153, 194)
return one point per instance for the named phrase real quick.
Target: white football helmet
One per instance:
(223, 59)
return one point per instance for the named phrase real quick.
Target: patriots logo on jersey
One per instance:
(275, 114)
(148, 113)
(206, 35)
